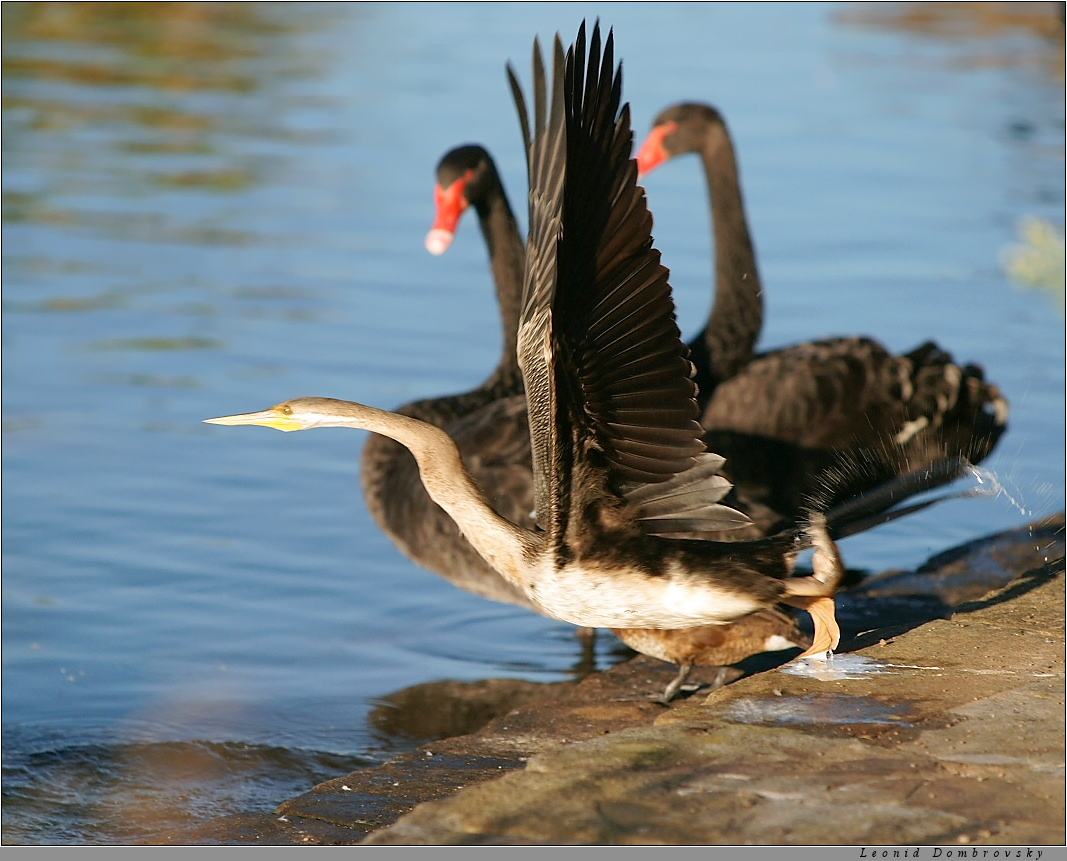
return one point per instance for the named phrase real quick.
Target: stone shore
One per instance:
(940, 721)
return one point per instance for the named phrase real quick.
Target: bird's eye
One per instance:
(286, 410)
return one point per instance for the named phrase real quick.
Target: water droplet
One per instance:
(996, 488)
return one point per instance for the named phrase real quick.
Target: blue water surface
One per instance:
(211, 208)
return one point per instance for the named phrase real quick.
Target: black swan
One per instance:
(488, 423)
(784, 417)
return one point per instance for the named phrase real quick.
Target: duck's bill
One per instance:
(271, 418)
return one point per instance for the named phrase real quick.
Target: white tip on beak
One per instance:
(438, 240)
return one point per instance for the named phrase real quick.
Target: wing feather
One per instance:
(603, 362)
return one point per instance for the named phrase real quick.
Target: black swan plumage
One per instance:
(785, 417)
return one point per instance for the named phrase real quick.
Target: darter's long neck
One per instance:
(505, 546)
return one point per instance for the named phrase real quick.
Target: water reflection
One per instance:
(978, 29)
(446, 709)
(158, 95)
(167, 46)
(999, 36)
(137, 792)
(1037, 261)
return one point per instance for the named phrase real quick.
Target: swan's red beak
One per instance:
(653, 153)
(450, 203)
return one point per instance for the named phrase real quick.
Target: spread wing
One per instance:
(546, 166)
(612, 402)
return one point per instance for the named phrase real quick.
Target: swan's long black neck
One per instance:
(506, 261)
(729, 339)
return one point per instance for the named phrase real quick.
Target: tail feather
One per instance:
(877, 505)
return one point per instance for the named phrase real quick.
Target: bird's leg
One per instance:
(587, 661)
(722, 675)
(815, 594)
(827, 566)
(672, 689)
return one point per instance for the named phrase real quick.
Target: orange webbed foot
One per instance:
(827, 633)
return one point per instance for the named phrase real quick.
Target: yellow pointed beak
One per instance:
(272, 418)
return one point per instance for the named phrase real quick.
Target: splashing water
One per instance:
(835, 667)
(992, 487)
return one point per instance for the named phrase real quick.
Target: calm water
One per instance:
(208, 209)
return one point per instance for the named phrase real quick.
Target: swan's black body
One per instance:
(845, 407)
(488, 423)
